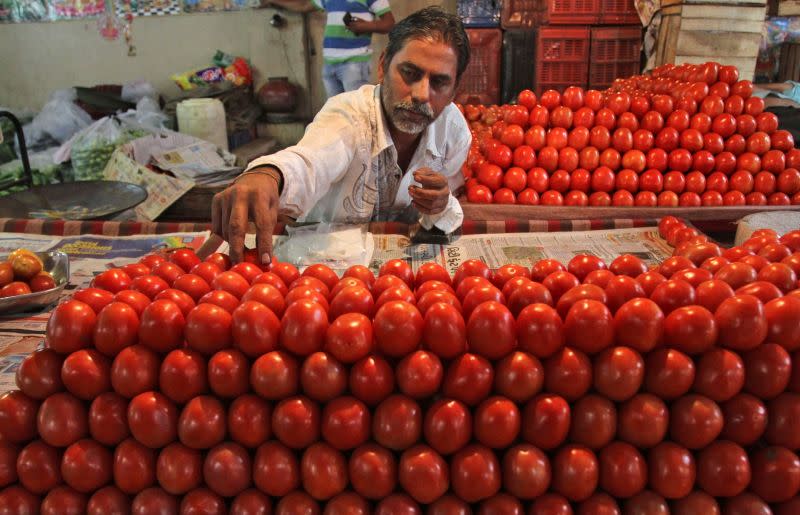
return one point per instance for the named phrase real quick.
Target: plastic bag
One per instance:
(60, 118)
(335, 245)
(137, 90)
(146, 117)
(43, 171)
(92, 148)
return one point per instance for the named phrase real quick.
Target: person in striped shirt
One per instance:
(347, 47)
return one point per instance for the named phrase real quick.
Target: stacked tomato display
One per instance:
(689, 135)
(580, 388)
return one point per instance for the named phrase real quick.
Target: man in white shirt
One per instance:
(392, 151)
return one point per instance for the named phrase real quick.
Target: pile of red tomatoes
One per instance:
(179, 386)
(689, 136)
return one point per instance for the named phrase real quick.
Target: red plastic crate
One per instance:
(572, 12)
(560, 75)
(522, 14)
(518, 14)
(602, 75)
(612, 44)
(562, 57)
(480, 83)
(619, 12)
(563, 44)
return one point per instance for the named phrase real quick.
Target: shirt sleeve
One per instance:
(380, 7)
(320, 159)
(453, 216)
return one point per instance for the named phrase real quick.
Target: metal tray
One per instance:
(72, 200)
(57, 263)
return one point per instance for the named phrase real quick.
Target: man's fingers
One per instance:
(237, 228)
(216, 215)
(225, 210)
(265, 217)
(430, 179)
(426, 193)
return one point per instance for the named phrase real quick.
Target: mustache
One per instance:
(414, 107)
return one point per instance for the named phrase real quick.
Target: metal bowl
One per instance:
(57, 263)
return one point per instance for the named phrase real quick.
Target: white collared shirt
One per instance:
(345, 169)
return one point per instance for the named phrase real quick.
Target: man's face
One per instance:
(419, 83)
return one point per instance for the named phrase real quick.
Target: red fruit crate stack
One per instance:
(480, 83)
(563, 27)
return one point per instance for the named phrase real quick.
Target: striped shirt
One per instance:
(340, 44)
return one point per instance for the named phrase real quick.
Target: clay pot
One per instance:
(278, 95)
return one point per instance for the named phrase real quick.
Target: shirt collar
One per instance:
(384, 141)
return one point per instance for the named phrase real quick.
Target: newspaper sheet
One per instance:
(524, 248)
(21, 334)
(502, 249)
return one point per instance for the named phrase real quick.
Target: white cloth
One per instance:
(345, 167)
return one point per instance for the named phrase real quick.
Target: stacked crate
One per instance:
(550, 44)
(697, 31)
(480, 83)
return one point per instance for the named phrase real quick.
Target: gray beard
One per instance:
(395, 114)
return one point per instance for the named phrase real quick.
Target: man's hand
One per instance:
(359, 27)
(432, 197)
(253, 197)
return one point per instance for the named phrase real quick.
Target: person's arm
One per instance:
(434, 198)
(292, 180)
(299, 6)
(382, 25)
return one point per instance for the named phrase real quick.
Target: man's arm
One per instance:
(292, 180)
(382, 25)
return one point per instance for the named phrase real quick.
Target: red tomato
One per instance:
(228, 372)
(468, 379)
(397, 422)
(134, 370)
(153, 419)
(70, 327)
(86, 374)
(227, 469)
(113, 280)
(672, 470)
(475, 473)
(345, 423)
(221, 298)
(638, 323)
(86, 466)
(723, 469)
(536, 137)
(162, 325)
(373, 471)
(527, 98)
(296, 422)
(303, 327)
(39, 374)
(95, 298)
(371, 380)
(642, 421)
